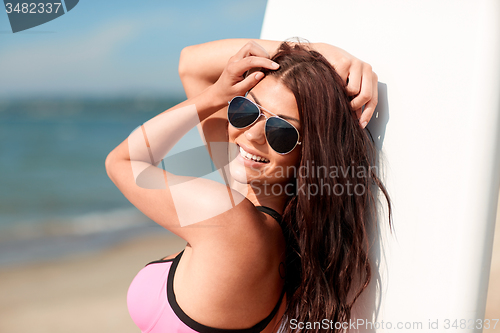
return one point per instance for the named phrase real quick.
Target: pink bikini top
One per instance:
(153, 307)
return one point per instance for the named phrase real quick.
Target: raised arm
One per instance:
(176, 202)
(201, 65)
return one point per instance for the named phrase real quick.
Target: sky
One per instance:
(115, 47)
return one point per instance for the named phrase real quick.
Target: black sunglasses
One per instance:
(280, 134)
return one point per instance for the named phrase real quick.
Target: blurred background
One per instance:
(70, 91)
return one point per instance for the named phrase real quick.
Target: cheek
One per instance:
(287, 164)
(233, 133)
(294, 157)
(289, 160)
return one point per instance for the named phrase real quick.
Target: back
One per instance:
(203, 291)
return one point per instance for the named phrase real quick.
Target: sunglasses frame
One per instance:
(260, 108)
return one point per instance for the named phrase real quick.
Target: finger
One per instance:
(367, 113)
(366, 89)
(342, 68)
(355, 78)
(239, 68)
(250, 81)
(358, 113)
(251, 49)
(370, 106)
(344, 75)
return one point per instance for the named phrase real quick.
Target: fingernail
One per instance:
(275, 65)
(259, 76)
(363, 124)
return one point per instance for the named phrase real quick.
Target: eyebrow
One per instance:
(281, 115)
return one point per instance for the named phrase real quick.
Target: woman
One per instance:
(241, 271)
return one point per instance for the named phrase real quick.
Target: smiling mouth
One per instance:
(251, 157)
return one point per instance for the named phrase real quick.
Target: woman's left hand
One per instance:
(360, 78)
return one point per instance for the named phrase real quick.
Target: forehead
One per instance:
(274, 96)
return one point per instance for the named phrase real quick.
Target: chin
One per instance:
(238, 172)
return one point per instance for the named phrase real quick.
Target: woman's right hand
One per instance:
(233, 82)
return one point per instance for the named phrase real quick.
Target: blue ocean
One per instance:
(55, 196)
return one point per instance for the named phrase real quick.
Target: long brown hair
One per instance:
(327, 265)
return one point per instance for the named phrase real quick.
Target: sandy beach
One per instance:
(87, 293)
(79, 294)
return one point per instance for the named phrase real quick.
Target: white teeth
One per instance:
(249, 156)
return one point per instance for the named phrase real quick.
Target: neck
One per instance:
(262, 196)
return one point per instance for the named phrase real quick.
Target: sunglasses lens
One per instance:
(281, 135)
(241, 112)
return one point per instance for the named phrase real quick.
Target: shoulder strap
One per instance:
(257, 328)
(160, 261)
(272, 213)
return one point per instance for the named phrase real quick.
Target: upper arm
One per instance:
(196, 209)
(194, 81)
(195, 77)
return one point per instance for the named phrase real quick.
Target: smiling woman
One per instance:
(261, 250)
(277, 144)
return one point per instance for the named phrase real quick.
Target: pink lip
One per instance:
(251, 151)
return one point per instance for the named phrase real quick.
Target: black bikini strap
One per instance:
(263, 324)
(172, 300)
(160, 261)
(272, 213)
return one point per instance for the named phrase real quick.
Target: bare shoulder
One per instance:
(236, 280)
(213, 214)
(241, 231)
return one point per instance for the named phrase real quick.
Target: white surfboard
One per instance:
(438, 128)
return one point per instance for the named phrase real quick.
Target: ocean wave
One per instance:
(39, 241)
(86, 224)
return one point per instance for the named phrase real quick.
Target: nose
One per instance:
(256, 132)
